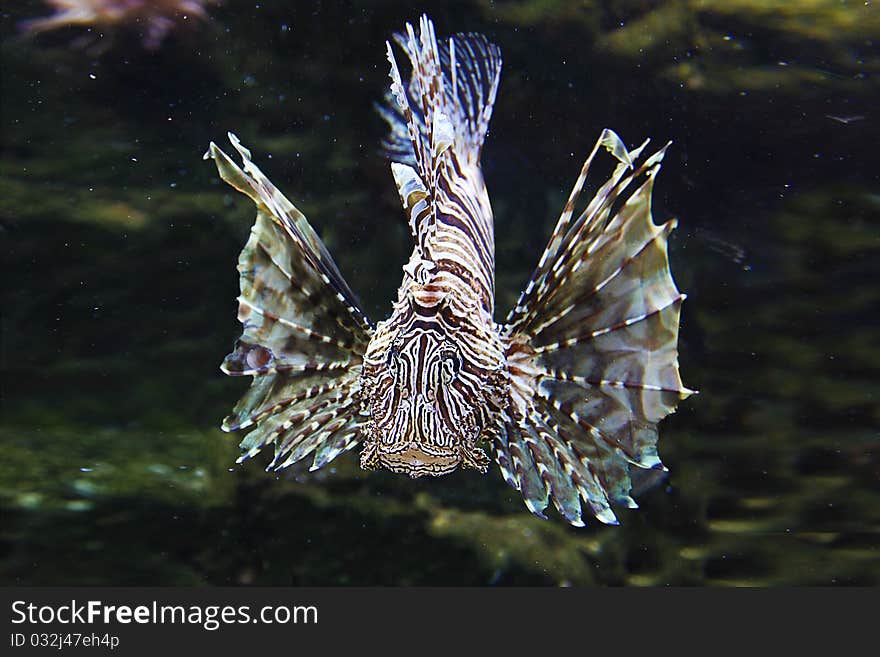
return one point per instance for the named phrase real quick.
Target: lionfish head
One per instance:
(426, 403)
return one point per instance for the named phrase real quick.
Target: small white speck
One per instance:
(93, 76)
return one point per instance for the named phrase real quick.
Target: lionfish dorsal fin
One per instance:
(448, 97)
(439, 117)
(592, 348)
(416, 200)
(304, 333)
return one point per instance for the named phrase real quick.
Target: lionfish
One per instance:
(567, 392)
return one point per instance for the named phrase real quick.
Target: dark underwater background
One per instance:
(119, 247)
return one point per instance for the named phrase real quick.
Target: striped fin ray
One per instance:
(293, 413)
(593, 340)
(574, 476)
(304, 333)
(570, 241)
(524, 474)
(274, 392)
(443, 110)
(422, 100)
(250, 181)
(467, 80)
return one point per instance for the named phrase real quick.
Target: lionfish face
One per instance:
(425, 403)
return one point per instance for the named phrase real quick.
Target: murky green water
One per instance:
(118, 297)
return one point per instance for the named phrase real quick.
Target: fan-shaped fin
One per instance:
(593, 342)
(304, 332)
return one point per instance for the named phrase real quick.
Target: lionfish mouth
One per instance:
(416, 462)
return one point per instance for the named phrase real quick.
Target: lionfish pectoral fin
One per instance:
(304, 334)
(592, 349)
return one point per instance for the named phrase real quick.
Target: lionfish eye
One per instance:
(257, 357)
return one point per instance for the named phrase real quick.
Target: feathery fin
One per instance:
(456, 78)
(594, 341)
(304, 333)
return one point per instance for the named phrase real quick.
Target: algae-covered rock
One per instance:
(725, 47)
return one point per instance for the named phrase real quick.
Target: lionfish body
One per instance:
(567, 392)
